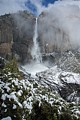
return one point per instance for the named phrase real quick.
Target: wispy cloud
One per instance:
(60, 25)
(10, 6)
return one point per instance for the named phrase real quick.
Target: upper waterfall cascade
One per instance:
(36, 55)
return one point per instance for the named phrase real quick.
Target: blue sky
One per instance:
(46, 2)
(33, 8)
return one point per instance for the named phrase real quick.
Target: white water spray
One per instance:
(36, 55)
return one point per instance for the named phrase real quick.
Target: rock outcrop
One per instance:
(67, 84)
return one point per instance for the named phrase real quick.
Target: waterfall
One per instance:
(36, 55)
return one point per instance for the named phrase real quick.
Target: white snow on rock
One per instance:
(7, 118)
(52, 76)
(70, 77)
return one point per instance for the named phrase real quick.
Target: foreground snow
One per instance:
(45, 86)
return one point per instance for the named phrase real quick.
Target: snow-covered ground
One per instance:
(29, 89)
(38, 89)
(52, 73)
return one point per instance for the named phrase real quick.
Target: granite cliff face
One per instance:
(16, 35)
(6, 35)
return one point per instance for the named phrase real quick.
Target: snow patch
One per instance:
(7, 118)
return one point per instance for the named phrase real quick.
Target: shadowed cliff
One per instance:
(16, 35)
